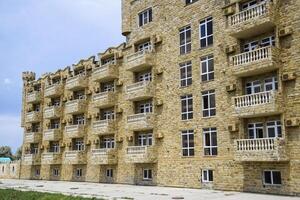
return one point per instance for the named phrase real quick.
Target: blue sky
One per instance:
(43, 36)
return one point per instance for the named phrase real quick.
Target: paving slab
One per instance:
(119, 191)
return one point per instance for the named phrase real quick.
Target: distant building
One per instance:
(5, 160)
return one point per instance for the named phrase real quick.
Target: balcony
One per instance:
(140, 60)
(261, 150)
(77, 82)
(54, 90)
(52, 135)
(31, 159)
(33, 116)
(52, 112)
(139, 91)
(51, 158)
(258, 104)
(33, 97)
(33, 137)
(75, 131)
(141, 121)
(254, 21)
(255, 62)
(104, 99)
(104, 156)
(76, 106)
(106, 72)
(75, 157)
(141, 154)
(103, 127)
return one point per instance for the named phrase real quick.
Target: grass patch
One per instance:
(10, 194)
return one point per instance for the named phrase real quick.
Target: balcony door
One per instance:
(144, 139)
(255, 130)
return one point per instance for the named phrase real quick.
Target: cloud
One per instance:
(7, 81)
(11, 132)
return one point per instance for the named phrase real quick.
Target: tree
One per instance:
(5, 151)
(18, 154)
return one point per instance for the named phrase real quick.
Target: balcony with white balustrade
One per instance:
(253, 21)
(104, 99)
(139, 91)
(75, 131)
(140, 60)
(258, 104)
(52, 135)
(77, 82)
(33, 97)
(257, 61)
(141, 154)
(33, 137)
(34, 116)
(106, 72)
(75, 157)
(104, 156)
(53, 90)
(140, 121)
(76, 106)
(52, 112)
(260, 150)
(51, 158)
(104, 127)
(31, 159)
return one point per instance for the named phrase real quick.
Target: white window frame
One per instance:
(271, 81)
(270, 41)
(37, 172)
(107, 87)
(272, 177)
(206, 177)
(204, 62)
(144, 46)
(189, 108)
(187, 42)
(275, 126)
(146, 17)
(204, 23)
(145, 77)
(108, 114)
(145, 139)
(210, 131)
(188, 2)
(250, 46)
(189, 147)
(79, 145)
(79, 172)
(55, 172)
(210, 108)
(186, 77)
(147, 174)
(146, 107)
(255, 127)
(108, 142)
(109, 173)
(252, 85)
(56, 147)
(80, 119)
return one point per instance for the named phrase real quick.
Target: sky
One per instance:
(43, 36)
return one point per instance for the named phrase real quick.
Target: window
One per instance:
(250, 46)
(187, 143)
(274, 129)
(145, 17)
(207, 68)
(190, 1)
(55, 172)
(147, 174)
(37, 172)
(79, 119)
(187, 107)
(253, 87)
(79, 172)
(56, 102)
(13, 169)
(255, 130)
(185, 74)
(271, 84)
(108, 115)
(54, 147)
(210, 141)
(206, 32)
(272, 177)
(109, 173)
(144, 46)
(110, 60)
(268, 41)
(145, 76)
(79, 145)
(145, 139)
(249, 4)
(106, 87)
(55, 124)
(208, 103)
(108, 143)
(185, 38)
(207, 176)
(79, 95)
(145, 107)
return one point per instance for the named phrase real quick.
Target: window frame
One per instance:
(79, 172)
(209, 131)
(255, 127)
(210, 109)
(110, 173)
(277, 126)
(186, 46)
(272, 178)
(145, 17)
(145, 139)
(187, 111)
(205, 60)
(149, 174)
(186, 78)
(207, 178)
(190, 143)
(204, 22)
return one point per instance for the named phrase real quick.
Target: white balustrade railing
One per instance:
(137, 86)
(101, 95)
(73, 154)
(33, 96)
(263, 144)
(50, 133)
(137, 150)
(32, 115)
(139, 54)
(252, 56)
(50, 155)
(52, 89)
(254, 99)
(102, 123)
(74, 128)
(103, 68)
(250, 13)
(103, 151)
(138, 117)
(75, 102)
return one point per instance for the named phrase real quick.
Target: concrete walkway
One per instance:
(118, 191)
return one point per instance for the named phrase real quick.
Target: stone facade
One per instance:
(119, 118)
